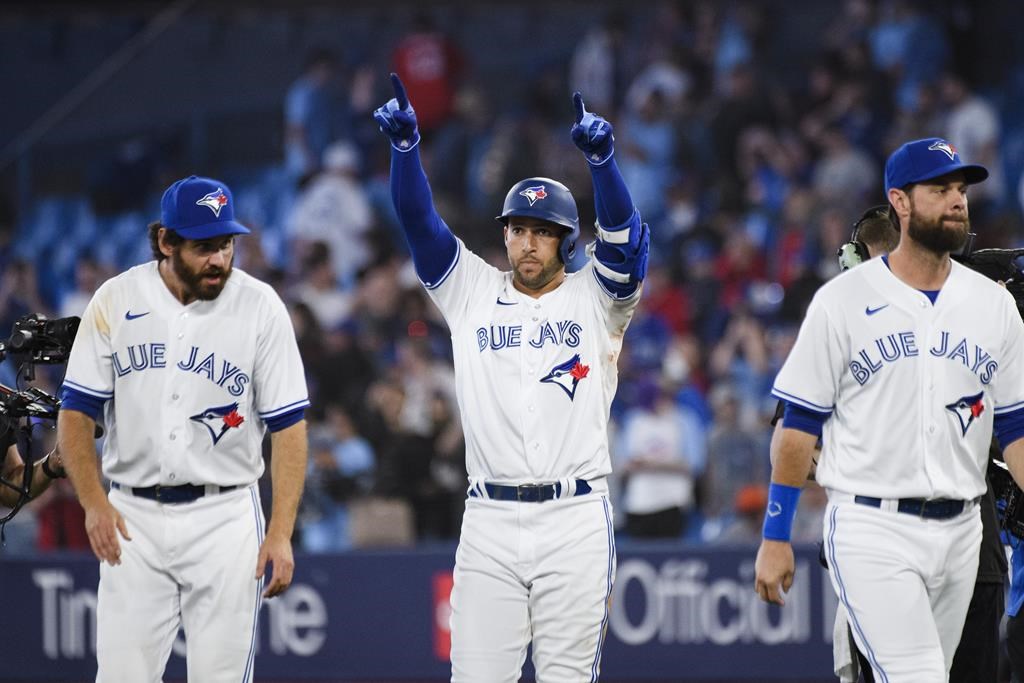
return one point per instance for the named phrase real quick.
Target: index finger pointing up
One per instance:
(577, 103)
(403, 99)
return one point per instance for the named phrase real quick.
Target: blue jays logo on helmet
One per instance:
(944, 147)
(547, 200)
(567, 375)
(966, 408)
(219, 420)
(214, 201)
(532, 194)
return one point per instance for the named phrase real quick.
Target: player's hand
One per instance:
(103, 523)
(278, 551)
(397, 119)
(592, 134)
(773, 570)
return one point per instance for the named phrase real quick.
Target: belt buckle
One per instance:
(157, 493)
(533, 488)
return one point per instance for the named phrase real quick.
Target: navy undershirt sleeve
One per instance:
(276, 424)
(1008, 427)
(72, 399)
(612, 200)
(431, 242)
(809, 421)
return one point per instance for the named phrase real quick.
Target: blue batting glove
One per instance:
(592, 134)
(397, 119)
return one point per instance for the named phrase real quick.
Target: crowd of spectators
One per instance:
(749, 179)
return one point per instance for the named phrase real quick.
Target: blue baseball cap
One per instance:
(920, 160)
(200, 208)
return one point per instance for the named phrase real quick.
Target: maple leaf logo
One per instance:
(579, 371)
(233, 419)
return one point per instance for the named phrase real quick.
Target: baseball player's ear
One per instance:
(161, 238)
(900, 201)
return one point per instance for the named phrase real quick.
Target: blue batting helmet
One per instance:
(548, 200)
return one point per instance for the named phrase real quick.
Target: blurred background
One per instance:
(751, 133)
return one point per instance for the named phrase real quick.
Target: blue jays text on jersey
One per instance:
(891, 348)
(152, 355)
(497, 337)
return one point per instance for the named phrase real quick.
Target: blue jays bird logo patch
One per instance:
(944, 147)
(567, 375)
(966, 408)
(219, 420)
(215, 201)
(534, 193)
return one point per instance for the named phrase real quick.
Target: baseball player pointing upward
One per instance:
(535, 364)
(189, 362)
(903, 367)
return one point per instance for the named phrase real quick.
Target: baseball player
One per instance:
(903, 367)
(535, 363)
(189, 362)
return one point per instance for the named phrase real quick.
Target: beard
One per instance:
(936, 236)
(545, 274)
(193, 279)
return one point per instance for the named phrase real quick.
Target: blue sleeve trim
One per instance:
(433, 246)
(620, 291)
(808, 421)
(86, 390)
(458, 253)
(1008, 427)
(790, 398)
(612, 200)
(72, 399)
(1008, 409)
(276, 424)
(270, 414)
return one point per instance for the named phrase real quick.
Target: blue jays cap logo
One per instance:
(219, 420)
(966, 408)
(567, 375)
(944, 147)
(534, 193)
(214, 201)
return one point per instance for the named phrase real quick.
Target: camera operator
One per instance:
(13, 471)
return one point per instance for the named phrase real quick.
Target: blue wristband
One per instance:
(778, 517)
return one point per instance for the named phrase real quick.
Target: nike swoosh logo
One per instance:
(130, 316)
(871, 311)
(506, 303)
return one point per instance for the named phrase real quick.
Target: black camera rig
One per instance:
(34, 340)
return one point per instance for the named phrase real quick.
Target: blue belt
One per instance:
(529, 493)
(941, 508)
(185, 493)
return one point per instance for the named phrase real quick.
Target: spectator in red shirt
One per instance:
(430, 65)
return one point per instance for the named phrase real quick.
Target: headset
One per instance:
(855, 251)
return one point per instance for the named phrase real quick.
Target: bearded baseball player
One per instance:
(535, 362)
(903, 367)
(188, 362)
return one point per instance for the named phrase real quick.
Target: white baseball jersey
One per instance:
(535, 378)
(912, 386)
(190, 386)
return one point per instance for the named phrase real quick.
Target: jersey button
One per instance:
(174, 397)
(529, 371)
(171, 476)
(535, 318)
(181, 335)
(530, 409)
(172, 437)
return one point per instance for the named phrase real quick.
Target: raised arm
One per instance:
(431, 242)
(622, 240)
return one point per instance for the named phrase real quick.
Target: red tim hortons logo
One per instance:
(443, 582)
